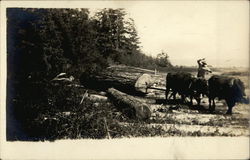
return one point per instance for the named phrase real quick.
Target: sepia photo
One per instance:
(163, 71)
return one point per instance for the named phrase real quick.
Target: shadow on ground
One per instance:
(179, 104)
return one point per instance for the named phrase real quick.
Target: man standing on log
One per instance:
(203, 68)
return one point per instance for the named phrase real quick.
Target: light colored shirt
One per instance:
(202, 69)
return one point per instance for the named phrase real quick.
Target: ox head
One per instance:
(245, 100)
(239, 92)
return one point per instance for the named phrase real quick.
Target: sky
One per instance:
(189, 30)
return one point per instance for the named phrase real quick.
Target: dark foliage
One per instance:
(62, 116)
(41, 43)
(45, 42)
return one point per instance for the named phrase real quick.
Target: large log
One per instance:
(129, 104)
(130, 83)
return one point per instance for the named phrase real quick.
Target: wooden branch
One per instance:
(106, 127)
(84, 96)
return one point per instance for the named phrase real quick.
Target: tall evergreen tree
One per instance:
(116, 33)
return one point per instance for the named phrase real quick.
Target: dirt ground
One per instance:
(186, 120)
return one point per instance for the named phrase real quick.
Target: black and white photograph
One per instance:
(126, 70)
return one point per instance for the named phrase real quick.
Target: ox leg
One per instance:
(211, 108)
(230, 106)
(198, 101)
(229, 111)
(183, 97)
(191, 100)
(173, 95)
(167, 92)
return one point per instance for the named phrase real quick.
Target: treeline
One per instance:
(45, 42)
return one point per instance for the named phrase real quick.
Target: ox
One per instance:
(232, 90)
(199, 87)
(186, 85)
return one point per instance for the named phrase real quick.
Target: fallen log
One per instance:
(130, 105)
(133, 85)
(102, 82)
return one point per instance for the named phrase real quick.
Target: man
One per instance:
(202, 69)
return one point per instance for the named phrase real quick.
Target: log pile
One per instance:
(122, 87)
(129, 104)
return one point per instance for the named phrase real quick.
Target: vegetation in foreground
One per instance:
(65, 115)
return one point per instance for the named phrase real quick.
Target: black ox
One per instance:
(230, 89)
(186, 85)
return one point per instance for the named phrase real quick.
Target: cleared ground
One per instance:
(178, 119)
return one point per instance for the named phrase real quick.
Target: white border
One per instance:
(134, 148)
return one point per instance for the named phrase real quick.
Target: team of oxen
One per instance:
(232, 90)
